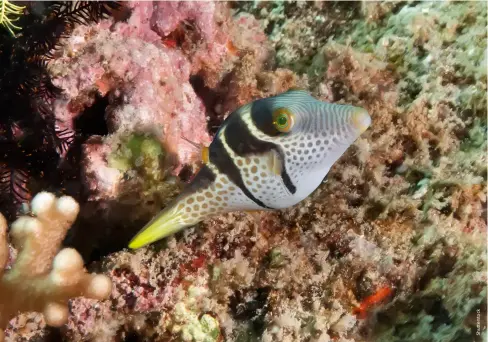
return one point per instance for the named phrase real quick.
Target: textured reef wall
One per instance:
(391, 248)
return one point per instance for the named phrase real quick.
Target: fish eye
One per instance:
(283, 120)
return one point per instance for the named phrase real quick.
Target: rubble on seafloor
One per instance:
(391, 248)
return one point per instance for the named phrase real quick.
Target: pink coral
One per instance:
(151, 82)
(144, 65)
(99, 177)
(169, 15)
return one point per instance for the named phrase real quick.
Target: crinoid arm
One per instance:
(10, 13)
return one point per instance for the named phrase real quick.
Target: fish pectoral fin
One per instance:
(166, 223)
(205, 154)
(275, 164)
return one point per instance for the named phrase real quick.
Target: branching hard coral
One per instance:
(10, 13)
(42, 278)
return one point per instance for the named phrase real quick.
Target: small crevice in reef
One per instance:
(251, 311)
(210, 99)
(92, 120)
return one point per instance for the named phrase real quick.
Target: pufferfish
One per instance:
(269, 154)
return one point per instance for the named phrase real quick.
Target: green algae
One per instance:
(276, 258)
(137, 151)
(142, 159)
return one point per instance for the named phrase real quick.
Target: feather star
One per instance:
(10, 13)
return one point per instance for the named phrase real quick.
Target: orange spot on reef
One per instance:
(233, 50)
(103, 85)
(361, 311)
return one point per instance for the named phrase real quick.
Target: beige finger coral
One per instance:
(43, 278)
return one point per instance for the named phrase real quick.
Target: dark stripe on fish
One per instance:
(287, 181)
(219, 157)
(244, 143)
(262, 117)
(203, 179)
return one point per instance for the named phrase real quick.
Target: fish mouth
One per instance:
(360, 120)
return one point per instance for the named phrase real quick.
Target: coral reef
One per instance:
(298, 29)
(392, 247)
(172, 80)
(31, 141)
(43, 278)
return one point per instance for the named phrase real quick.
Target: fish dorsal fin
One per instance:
(298, 89)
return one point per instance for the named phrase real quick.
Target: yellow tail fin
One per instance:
(164, 224)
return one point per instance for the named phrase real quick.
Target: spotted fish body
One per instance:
(269, 154)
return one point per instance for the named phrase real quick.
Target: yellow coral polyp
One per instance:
(10, 13)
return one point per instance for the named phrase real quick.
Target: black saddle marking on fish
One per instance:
(203, 179)
(262, 116)
(244, 143)
(219, 157)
